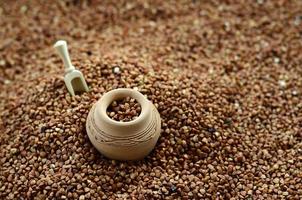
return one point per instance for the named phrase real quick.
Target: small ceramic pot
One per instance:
(131, 140)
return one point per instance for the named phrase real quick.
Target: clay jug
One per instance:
(131, 140)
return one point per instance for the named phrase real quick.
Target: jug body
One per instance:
(118, 140)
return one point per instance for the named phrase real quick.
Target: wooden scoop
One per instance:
(74, 79)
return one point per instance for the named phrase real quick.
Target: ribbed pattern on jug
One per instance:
(101, 136)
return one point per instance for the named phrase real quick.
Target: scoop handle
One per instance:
(61, 47)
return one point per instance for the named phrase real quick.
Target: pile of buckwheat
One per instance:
(124, 110)
(226, 77)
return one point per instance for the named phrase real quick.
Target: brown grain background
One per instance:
(224, 75)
